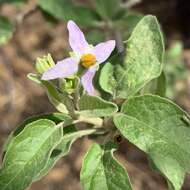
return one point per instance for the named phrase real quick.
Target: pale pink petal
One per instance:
(103, 50)
(87, 81)
(62, 69)
(77, 39)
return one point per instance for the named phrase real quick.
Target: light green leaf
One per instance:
(63, 148)
(61, 100)
(55, 117)
(93, 106)
(66, 10)
(107, 9)
(6, 29)
(27, 154)
(34, 77)
(161, 129)
(100, 170)
(107, 81)
(143, 62)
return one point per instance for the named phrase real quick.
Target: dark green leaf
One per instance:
(95, 36)
(6, 29)
(156, 86)
(107, 9)
(66, 10)
(12, 1)
(127, 23)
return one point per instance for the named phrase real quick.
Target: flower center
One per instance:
(87, 60)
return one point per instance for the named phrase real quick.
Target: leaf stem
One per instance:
(95, 121)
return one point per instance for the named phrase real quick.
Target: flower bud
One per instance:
(44, 63)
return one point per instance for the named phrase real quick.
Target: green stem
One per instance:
(98, 122)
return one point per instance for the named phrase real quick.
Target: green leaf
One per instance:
(93, 106)
(162, 130)
(55, 117)
(161, 85)
(127, 22)
(34, 77)
(61, 100)
(156, 86)
(27, 154)
(66, 10)
(174, 52)
(95, 36)
(107, 9)
(12, 1)
(107, 81)
(6, 29)
(100, 170)
(143, 62)
(63, 148)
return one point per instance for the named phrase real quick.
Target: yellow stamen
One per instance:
(87, 60)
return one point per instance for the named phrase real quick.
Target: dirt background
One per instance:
(20, 98)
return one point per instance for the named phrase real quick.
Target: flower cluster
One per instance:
(85, 55)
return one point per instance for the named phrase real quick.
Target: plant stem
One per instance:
(95, 121)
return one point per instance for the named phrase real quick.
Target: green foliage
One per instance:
(143, 61)
(62, 102)
(27, 154)
(95, 36)
(5, 30)
(66, 10)
(154, 124)
(127, 22)
(62, 149)
(92, 106)
(54, 117)
(12, 1)
(101, 171)
(107, 9)
(156, 86)
(161, 129)
(176, 70)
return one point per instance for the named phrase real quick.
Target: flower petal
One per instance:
(77, 39)
(64, 68)
(87, 81)
(103, 50)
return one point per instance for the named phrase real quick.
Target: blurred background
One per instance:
(30, 29)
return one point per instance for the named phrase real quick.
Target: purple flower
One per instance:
(87, 55)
